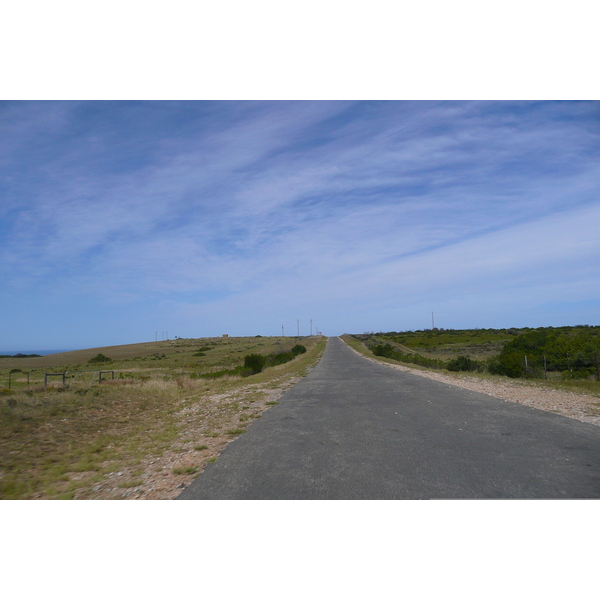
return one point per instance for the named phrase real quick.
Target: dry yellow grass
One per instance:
(114, 439)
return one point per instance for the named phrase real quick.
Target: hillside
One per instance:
(569, 355)
(136, 421)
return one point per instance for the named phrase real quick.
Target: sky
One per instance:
(129, 221)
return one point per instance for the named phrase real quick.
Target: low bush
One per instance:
(99, 358)
(463, 363)
(510, 364)
(254, 362)
(280, 358)
(388, 351)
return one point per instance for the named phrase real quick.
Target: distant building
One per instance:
(225, 335)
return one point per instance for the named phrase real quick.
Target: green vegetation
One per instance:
(572, 352)
(130, 484)
(388, 351)
(255, 363)
(565, 354)
(99, 358)
(445, 343)
(184, 470)
(463, 363)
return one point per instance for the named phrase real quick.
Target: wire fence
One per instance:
(17, 379)
(583, 365)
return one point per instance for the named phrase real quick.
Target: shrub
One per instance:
(462, 363)
(298, 349)
(511, 364)
(383, 350)
(254, 362)
(388, 351)
(236, 372)
(280, 358)
(99, 358)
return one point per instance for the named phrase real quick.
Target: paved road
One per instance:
(354, 429)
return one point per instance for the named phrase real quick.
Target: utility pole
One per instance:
(298, 323)
(432, 321)
(311, 327)
(282, 331)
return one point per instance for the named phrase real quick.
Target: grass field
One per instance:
(68, 441)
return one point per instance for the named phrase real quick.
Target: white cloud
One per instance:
(291, 206)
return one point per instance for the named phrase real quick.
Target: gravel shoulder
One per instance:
(568, 404)
(164, 477)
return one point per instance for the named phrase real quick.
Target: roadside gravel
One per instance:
(575, 406)
(164, 477)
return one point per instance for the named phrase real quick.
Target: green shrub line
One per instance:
(255, 363)
(570, 353)
(461, 363)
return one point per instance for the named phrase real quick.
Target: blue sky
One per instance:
(198, 218)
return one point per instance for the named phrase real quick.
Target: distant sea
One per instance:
(40, 352)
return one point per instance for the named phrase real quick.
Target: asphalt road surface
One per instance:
(353, 429)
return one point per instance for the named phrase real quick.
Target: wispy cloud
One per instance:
(245, 212)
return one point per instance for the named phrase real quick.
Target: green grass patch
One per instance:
(184, 470)
(132, 483)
